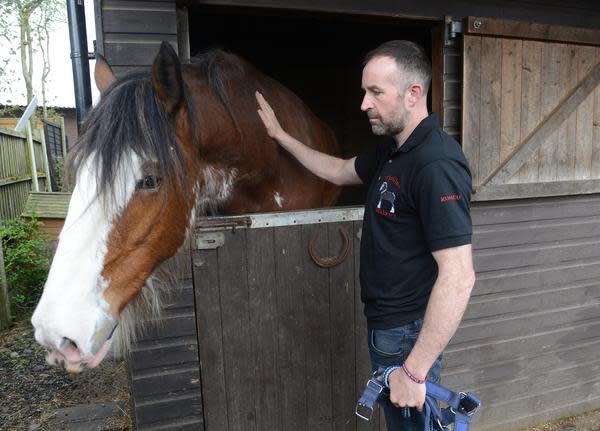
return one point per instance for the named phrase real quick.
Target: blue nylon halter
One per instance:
(460, 411)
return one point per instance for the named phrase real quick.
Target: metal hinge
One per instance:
(452, 29)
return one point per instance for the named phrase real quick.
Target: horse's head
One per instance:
(129, 211)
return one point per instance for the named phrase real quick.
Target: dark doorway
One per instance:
(318, 56)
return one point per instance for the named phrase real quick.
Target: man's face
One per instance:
(384, 96)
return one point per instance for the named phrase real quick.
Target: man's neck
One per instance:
(412, 124)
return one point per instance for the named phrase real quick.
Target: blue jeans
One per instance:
(391, 347)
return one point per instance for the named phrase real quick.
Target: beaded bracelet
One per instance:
(412, 376)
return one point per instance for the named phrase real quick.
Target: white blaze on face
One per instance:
(72, 308)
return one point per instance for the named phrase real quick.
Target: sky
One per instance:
(59, 86)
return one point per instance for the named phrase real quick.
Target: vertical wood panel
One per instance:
(567, 131)
(471, 103)
(586, 59)
(547, 170)
(319, 349)
(341, 285)
(235, 320)
(210, 338)
(491, 86)
(596, 129)
(291, 349)
(263, 327)
(530, 104)
(510, 116)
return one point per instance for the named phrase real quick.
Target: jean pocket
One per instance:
(389, 342)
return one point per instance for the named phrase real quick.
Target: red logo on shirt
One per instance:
(392, 180)
(447, 198)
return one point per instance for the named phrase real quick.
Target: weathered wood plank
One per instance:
(210, 338)
(510, 115)
(536, 190)
(320, 350)
(550, 98)
(171, 381)
(471, 103)
(133, 20)
(235, 320)
(341, 290)
(291, 334)
(568, 129)
(536, 254)
(172, 407)
(263, 326)
(530, 111)
(491, 87)
(586, 60)
(596, 129)
(532, 30)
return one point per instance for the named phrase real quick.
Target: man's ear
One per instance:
(167, 79)
(103, 74)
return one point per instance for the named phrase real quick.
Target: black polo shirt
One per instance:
(418, 202)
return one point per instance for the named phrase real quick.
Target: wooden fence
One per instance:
(15, 171)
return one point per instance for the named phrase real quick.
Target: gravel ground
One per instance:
(31, 390)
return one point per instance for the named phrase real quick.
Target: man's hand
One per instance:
(274, 129)
(404, 392)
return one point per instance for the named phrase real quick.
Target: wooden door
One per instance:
(282, 341)
(531, 109)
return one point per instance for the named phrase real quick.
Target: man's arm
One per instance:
(445, 309)
(330, 168)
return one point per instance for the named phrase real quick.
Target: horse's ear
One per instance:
(167, 79)
(103, 74)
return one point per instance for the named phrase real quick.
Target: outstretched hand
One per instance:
(274, 129)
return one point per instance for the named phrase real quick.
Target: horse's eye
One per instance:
(149, 182)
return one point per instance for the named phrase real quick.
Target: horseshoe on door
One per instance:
(330, 261)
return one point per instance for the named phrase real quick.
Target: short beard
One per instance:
(391, 129)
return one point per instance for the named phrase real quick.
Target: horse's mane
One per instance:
(220, 68)
(129, 117)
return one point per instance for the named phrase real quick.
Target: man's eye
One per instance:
(149, 182)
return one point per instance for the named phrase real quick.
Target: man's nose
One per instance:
(366, 104)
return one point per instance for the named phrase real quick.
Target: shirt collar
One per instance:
(420, 133)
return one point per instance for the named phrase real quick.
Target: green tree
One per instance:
(32, 20)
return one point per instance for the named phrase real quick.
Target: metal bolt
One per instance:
(477, 24)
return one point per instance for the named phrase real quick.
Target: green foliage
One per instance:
(26, 260)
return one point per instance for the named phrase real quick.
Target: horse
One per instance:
(158, 149)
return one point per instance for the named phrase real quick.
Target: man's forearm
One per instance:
(322, 165)
(445, 309)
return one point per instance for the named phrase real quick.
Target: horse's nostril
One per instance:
(67, 343)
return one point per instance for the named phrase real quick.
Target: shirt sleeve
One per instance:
(367, 163)
(443, 197)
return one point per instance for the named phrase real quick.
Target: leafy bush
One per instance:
(26, 261)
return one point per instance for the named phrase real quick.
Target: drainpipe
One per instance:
(79, 58)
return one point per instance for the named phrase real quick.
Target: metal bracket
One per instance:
(209, 240)
(452, 29)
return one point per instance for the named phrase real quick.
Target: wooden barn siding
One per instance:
(129, 33)
(163, 366)
(530, 339)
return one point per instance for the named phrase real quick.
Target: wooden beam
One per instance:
(513, 162)
(531, 30)
(536, 190)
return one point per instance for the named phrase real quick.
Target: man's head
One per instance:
(395, 79)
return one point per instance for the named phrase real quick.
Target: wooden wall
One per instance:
(282, 343)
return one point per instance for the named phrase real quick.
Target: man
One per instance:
(416, 266)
